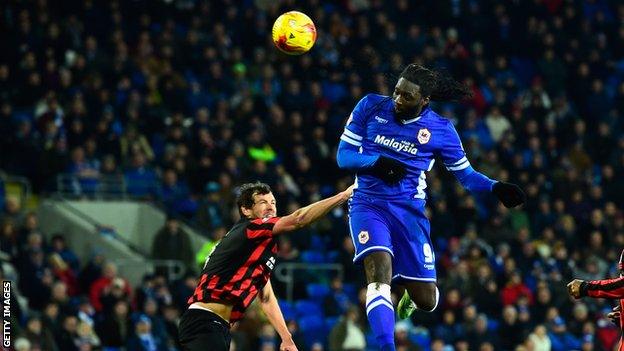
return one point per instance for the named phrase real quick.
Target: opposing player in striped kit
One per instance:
(239, 269)
(390, 142)
(605, 289)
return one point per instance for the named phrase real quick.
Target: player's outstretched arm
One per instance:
(306, 215)
(270, 307)
(606, 288)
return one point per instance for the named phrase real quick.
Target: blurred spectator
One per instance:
(175, 195)
(348, 334)
(59, 246)
(119, 89)
(540, 339)
(173, 243)
(109, 288)
(38, 336)
(140, 178)
(144, 339)
(211, 212)
(116, 327)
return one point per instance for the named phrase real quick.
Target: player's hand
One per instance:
(615, 315)
(574, 288)
(349, 191)
(288, 345)
(389, 170)
(509, 194)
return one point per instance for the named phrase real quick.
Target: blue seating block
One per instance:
(311, 256)
(317, 291)
(308, 308)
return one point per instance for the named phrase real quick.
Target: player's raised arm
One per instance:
(306, 215)
(455, 160)
(606, 288)
(351, 154)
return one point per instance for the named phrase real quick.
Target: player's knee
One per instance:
(378, 267)
(428, 302)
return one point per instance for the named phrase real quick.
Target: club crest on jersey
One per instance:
(363, 237)
(424, 135)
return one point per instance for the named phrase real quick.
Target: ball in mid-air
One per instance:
(294, 33)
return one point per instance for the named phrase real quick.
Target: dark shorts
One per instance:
(201, 330)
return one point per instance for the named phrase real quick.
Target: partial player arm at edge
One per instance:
(606, 288)
(474, 181)
(306, 215)
(349, 157)
(270, 307)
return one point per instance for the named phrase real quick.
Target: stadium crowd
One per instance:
(186, 99)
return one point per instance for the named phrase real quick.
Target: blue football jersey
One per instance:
(373, 128)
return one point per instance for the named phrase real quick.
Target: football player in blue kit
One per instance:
(390, 142)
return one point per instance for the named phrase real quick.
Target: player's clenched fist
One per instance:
(615, 315)
(574, 288)
(288, 345)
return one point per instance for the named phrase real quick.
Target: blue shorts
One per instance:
(399, 228)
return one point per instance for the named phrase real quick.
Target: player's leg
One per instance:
(414, 264)
(419, 295)
(379, 308)
(373, 248)
(202, 331)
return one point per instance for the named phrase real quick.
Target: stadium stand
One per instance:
(174, 103)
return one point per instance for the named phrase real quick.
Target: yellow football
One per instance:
(294, 33)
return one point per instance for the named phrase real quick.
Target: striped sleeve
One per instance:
(452, 150)
(355, 128)
(607, 288)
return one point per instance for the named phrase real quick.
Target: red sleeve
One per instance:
(261, 227)
(607, 288)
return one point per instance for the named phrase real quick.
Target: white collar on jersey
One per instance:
(422, 113)
(408, 121)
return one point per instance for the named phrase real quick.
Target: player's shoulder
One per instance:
(373, 98)
(263, 221)
(376, 102)
(437, 120)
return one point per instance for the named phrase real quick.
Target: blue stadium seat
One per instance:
(317, 291)
(317, 243)
(332, 256)
(313, 329)
(492, 325)
(421, 339)
(287, 310)
(330, 323)
(308, 308)
(310, 256)
(351, 291)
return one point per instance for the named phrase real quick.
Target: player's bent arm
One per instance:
(306, 215)
(473, 180)
(349, 157)
(607, 288)
(270, 307)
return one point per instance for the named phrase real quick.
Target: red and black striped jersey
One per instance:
(608, 289)
(239, 266)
